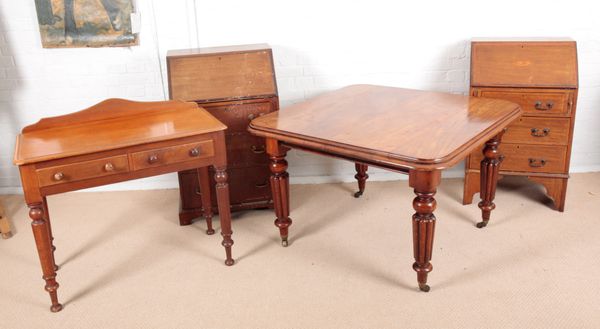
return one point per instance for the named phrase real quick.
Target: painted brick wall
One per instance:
(318, 46)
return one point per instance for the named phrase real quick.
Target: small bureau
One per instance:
(541, 76)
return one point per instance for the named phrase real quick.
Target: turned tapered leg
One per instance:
(490, 165)
(39, 226)
(49, 227)
(222, 188)
(361, 176)
(425, 184)
(204, 182)
(280, 188)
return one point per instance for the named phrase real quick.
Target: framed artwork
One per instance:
(85, 23)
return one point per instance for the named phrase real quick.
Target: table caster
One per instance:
(424, 287)
(481, 224)
(358, 194)
(284, 242)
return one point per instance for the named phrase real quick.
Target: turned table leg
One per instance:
(222, 188)
(204, 183)
(39, 226)
(49, 227)
(490, 165)
(280, 188)
(425, 184)
(361, 176)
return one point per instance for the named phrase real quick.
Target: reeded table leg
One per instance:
(222, 189)
(49, 226)
(361, 176)
(490, 165)
(280, 188)
(204, 182)
(425, 184)
(44, 247)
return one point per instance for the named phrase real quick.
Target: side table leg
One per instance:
(204, 182)
(361, 176)
(490, 165)
(280, 188)
(425, 184)
(222, 188)
(49, 226)
(44, 247)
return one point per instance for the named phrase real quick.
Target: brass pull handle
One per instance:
(194, 152)
(261, 185)
(152, 159)
(257, 150)
(536, 132)
(251, 116)
(59, 176)
(544, 107)
(537, 163)
(109, 167)
(198, 191)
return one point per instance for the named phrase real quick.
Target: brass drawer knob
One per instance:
(109, 167)
(537, 133)
(153, 158)
(537, 163)
(194, 152)
(59, 176)
(539, 105)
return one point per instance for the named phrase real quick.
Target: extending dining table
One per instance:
(419, 133)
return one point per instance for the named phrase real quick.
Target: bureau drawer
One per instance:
(537, 130)
(533, 101)
(83, 170)
(237, 116)
(172, 154)
(531, 158)
(244, 149)
(249, 184)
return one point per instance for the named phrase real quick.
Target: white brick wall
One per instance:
(318, 46)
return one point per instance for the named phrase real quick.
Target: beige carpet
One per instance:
(126, 263)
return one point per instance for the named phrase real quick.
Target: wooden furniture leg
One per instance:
(49, 228)
(222, 189)
(39, 226)
(361, 176)
(425, 184)
(204, 183)
(280, 188)
(490, 165)
(556, 189)
(4, 225)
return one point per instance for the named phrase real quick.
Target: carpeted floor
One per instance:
(126, 263)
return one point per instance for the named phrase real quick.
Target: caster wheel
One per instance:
(424, 287)
(358, 194)
(481, 224)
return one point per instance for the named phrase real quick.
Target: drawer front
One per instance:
(533, 102)
(83, 170)
(536, 130)
(237, 116)
(248, 184)
(172, 154)
(528, 158)
(244, 150)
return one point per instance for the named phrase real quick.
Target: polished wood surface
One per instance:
(235, 84)
(116, 141)
(539, 74)
(391, 124)
(414, 132)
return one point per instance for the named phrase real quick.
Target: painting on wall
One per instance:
(85, 23)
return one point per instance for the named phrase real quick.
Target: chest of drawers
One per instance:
(235, 84)
(541, 76)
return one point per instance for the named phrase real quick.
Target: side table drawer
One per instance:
(528, 158)
(538, 130)
(533, 101)
(83, 170)
(172, 154)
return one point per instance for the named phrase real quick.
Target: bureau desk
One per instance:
(414, 132)
(115, 141)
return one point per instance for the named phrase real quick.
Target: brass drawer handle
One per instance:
(194, 152)
(59, 176)
(544, 107)
(257, 150)
(109, 167)
(536, 132)
(251, 116)
(537, 163)
(261, 185)
(152, 159)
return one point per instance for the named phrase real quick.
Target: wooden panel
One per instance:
(173, 154)
(244, 149)
(237, 116)
(552, 102)
(530, 158)
(536, 130)
(223, 76)
(83, 170)
(532, 64)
